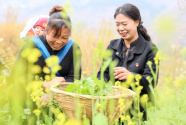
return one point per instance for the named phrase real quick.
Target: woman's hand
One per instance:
(55, 9)
(46, 99)
(53, 81)
(121, 73)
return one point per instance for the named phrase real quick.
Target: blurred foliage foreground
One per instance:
(169, 95)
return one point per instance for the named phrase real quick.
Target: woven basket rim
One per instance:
(132, 93)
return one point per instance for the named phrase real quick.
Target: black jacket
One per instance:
(140, 52)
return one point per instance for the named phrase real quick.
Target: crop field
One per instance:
(169, 94)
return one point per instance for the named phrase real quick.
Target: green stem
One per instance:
(139, 111)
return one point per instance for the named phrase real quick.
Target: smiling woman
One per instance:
(57, 32)
(54, 57)
(132, 51)
(55, 42)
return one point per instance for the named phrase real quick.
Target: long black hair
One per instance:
(58, 21)
(133, 12)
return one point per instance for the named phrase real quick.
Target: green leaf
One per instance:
(100, 119)
(70, 88)
(86, 121)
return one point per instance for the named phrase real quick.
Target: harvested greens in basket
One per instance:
(90, 86)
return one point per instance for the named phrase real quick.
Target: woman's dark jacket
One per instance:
(140, 52)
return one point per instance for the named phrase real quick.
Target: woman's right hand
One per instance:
(53, 81)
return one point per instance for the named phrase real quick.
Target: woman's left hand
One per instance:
(121, 73)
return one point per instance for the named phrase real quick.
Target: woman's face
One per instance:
(56, 43)
(126, 27)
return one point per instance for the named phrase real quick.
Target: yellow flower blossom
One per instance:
(68, 7)
(98, 106)
(47, 90)
(157, 57)
(32, 58)
(25, 52)
(137, 83)
(61, 116)
(144, 100)
(121, 104)
(118, 83)
(36, 52)
(47, 77)
(122, 117)
(36, 69)
(128, 117)
(34, 55)
(84, 72)
(37, 112)
(130, 79)
(138, 77)
(52, 61)
(56, 68)
(149, 63)
(138, 89)
(131, 123)
(36, 91)
(46, 70)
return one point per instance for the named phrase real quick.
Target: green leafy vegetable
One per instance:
(90, 86)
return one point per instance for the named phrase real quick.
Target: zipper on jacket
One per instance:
(125, 58)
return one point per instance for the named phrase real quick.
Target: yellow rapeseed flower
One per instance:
(37, 112)
(32, 58)
(118, 83)
(128, 117)
(36, 52)
(149, 63)
(144, 100)
(46, 70)
(34, 55)
(121, 104)
(68, 7)
(131, 123)
(157, 57)
(130, 79)
(138, 89)
(56, 68)
(137, 83)
(61, 116)
(47, 77)
(36, 69)
(122, 117)
(52, 61)
(84, 72)
(98, 106)
(138, 77)
(47, 90)
(25, 52)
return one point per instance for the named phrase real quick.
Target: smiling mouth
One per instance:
(123, 34)
(57, 46)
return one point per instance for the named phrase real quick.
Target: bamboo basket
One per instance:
(68, 101)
